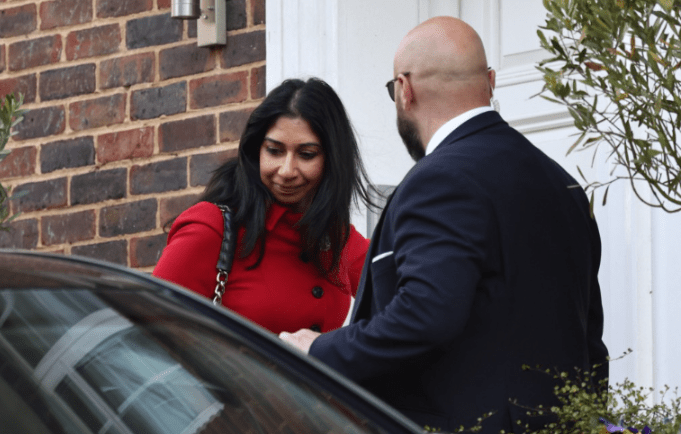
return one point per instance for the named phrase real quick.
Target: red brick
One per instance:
(99, 186)
(65, 82)
(218, 90)
(127, 218)
(19, 163)
(258, 88)
(119, 8)
(244, 48)
(68, 228)
(152, 30)
(20, 20)
(155, 102)
(2, 57)
(60, 13)
(22, 235)
(201, 166)
(69, 153)
(25, 85)
(126, 71)
(232, 124)
(96, 41)
(164, 4)
(184, 60)
(172, 207)
(187, 133)
(258, 11)
(41, 122)
(236, 14)
(145, 251)
(125, 145)
(159, 177)
(34, 52)
(111, 251)
(99, 112)
(40, 195)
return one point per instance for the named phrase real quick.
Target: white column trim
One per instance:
(433, 8)
(518, 75)
(424, 10)
(274, 43)
(491, 34)
(643, 238)
(541, 121)
(302, 40)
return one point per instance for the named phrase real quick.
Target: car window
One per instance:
(74, 361)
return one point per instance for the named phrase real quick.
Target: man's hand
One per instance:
(302, 339)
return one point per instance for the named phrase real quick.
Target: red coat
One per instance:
(283, 293)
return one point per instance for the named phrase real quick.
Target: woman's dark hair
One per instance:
(237, 182)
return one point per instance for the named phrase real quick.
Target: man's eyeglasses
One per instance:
(391, 86)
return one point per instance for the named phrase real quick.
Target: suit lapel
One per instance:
(362, 304)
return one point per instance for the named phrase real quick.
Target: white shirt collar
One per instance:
(453, 124)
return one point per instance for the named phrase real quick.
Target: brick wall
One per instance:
(127, 118)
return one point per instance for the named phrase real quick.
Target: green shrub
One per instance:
(615, 66)
(10, 116)
(623, 404)
(583, 407)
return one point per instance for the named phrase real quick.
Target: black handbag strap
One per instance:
(227, 250)
(226, 256)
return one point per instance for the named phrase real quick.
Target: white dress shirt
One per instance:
(453, 124)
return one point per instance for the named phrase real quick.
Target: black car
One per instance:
(90, 347)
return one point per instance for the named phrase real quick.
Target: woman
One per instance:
(298, 259)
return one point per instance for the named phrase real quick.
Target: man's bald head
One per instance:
(444, 74)
(444, 54)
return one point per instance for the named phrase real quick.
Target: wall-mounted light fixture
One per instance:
(211, 16)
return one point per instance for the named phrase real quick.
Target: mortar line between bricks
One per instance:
(101, 93)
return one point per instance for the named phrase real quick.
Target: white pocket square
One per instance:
(381, 256)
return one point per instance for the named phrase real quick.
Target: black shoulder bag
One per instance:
(226, 257)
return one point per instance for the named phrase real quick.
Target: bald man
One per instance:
(485, 258)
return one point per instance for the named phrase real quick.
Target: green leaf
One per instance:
(658, 104)
(542, 38)
(556, 46)
(581, 174)
(10, 116)
(577, 142)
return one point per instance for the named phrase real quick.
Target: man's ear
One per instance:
(492, 76)
(406, 92)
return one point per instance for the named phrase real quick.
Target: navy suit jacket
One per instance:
(485, 259)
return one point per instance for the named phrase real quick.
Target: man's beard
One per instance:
(410, 137)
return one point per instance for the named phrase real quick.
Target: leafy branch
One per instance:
(615, 66)
(10, 116)
(585, 406)
(582, 410)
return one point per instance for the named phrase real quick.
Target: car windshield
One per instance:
(131, 361)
